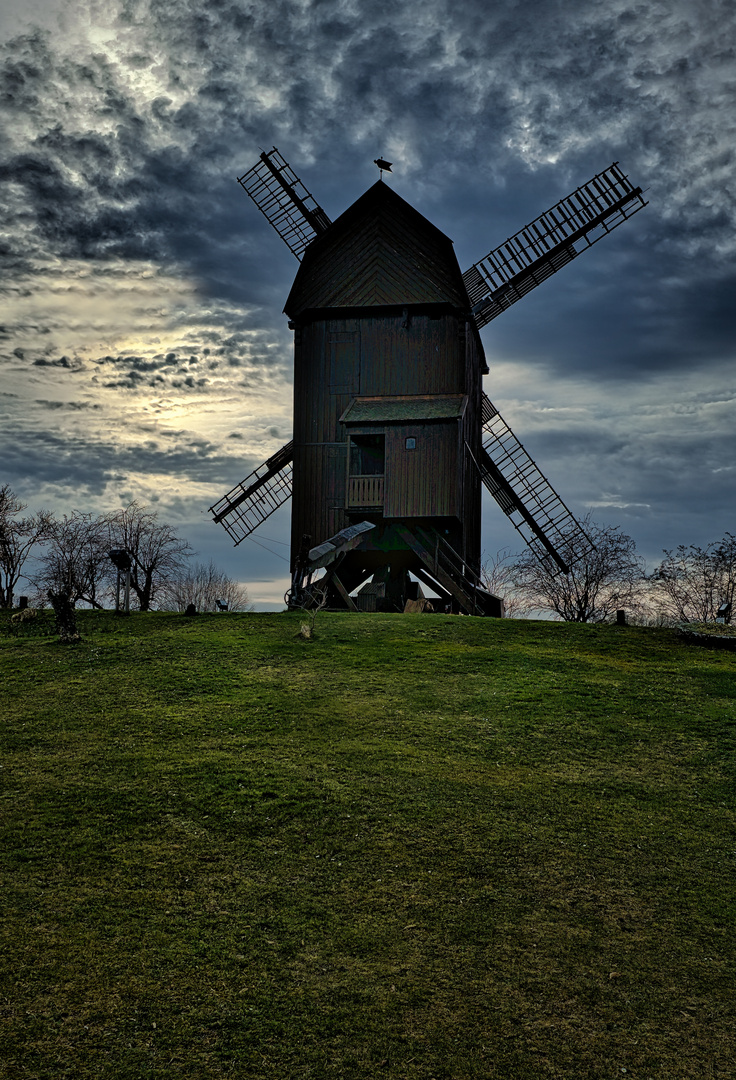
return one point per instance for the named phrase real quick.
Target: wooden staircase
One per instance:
(450, 571)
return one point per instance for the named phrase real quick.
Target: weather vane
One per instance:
(384, 166)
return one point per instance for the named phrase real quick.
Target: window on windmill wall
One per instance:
(367, 455)
(411, 444)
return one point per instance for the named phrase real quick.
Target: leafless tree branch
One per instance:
(18, 537)
(609, 577)
(692, 582)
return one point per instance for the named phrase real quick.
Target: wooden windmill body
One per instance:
(393, 435)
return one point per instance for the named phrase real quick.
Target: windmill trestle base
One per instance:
(382, 564)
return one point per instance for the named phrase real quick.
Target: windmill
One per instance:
(393, 434)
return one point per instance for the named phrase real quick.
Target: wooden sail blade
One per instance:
(551, 241)
(249, 503)
(285, 202)
(526, 496)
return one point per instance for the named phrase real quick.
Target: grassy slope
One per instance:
(412, 847)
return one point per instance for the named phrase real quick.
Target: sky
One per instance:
(144, 353)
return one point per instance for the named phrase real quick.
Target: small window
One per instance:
(411, 444)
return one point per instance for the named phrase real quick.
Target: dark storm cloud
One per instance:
(140, 363)
(75, 183)
(59, 362)
(486, 81)
(115, 192)
(643, 323)
(69, 406)
(660, 469)
(252, 352)
(75, 463)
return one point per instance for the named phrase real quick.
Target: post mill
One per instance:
(393, 435)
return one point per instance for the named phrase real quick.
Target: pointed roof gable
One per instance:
(380, 251)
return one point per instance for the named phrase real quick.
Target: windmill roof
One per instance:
(380, 251)
(362, 410)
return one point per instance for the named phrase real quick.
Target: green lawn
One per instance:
(412, 847)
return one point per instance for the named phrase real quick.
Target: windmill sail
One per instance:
(526, 496)
(549, 242)
(281, 196)
(249, 503)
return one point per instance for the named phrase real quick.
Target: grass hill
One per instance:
(412, 847)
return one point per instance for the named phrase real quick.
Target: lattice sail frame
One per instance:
(527, 497)
(284, 201)
(551, 241)
(262, 492)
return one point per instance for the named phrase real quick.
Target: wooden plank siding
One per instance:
(475, 366)
(419, 358)
(319, 493)
(384, 353)
(344, 360)
(327, 368)
(424, 482)
(338, 359)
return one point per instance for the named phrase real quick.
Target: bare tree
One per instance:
(158, 554)
(313, 600)
(205, 586)
(691, 583)
(18, 537)
(76, 561)
(607, 578)
(498, 576)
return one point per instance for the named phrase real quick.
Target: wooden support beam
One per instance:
(429, 581)
(466, 602)
(349, 602)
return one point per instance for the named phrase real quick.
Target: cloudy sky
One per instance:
(143, 349)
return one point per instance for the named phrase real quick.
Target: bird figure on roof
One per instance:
(383, 165)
